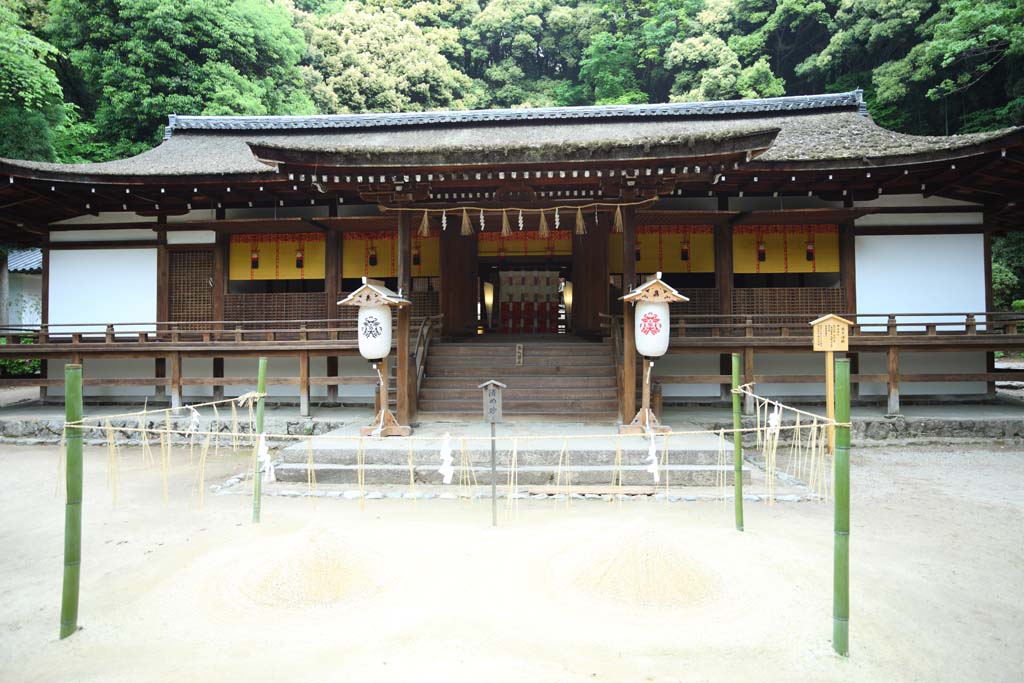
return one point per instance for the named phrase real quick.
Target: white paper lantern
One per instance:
(374, 331)
(651, 328)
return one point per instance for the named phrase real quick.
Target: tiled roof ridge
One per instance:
(792, 103)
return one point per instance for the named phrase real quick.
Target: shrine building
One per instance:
(514, 233)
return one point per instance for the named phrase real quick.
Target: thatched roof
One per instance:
(813, 131)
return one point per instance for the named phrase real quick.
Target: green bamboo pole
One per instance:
(257, 484)
(73, 507)
(841, 565)
(737, 442)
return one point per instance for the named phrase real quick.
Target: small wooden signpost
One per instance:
(492, 414)
(831, 334)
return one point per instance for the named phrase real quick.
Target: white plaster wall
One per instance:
(918, 219)
(102, 286)
(108, 368)
(112, 235)
(197, 367)
(687, 364)
(289, 367)
(926, 363)
(191, 237)
(790, 364)
(920, 274)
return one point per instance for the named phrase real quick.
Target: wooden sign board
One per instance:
(492, 400)
(831, 333)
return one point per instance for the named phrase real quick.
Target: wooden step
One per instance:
(561, 405)
(488, 372)
(471, 392)
(510, 362)
(490, 350)
(523, 382)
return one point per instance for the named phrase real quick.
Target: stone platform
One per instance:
(590, 461)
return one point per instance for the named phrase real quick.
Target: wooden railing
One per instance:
(170, 343)
(889, 333)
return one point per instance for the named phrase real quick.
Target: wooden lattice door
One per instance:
(191, 285)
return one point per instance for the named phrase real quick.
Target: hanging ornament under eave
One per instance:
(617, 223)
(581, 227)
(544, 231)
(467, 226)
(651, 333)
(506, 228)
(424, 230)
(373, 332)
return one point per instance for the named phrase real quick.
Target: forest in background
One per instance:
(92, 80)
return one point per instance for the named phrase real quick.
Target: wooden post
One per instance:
(737, 444)
(382, 397)
(175, 380)
(160, 372)
(628, 341)
(218, 372)
(332, 289)
(332, 371)
(748, 378)
(73, 505)
(841, 554)
(404, 318)
(304, 383)
(830, 398)
(257, 476)
(893, 364)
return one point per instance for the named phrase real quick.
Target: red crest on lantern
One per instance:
(650, 324)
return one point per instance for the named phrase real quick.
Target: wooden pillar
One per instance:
(893, 365)
(723, 283)
(163, 282)
(404, 255)
(175, 359)
(44, 315)
(160, 372)
(221, 249)
(590, 273)
(748, 377)
(458, 299)
(218, 371)
(990, 356)
(332, 288)
(848, 281)
(628, 342)
(304, 383)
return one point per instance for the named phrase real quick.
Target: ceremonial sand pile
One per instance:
(424, 591)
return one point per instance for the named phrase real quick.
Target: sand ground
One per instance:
(428, 591)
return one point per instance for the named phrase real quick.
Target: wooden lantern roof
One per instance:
(374, 293)
(655, 289)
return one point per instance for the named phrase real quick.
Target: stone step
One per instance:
(528, 475)
(345, 454)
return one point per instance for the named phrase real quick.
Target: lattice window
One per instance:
(191, 290)
(790, 305)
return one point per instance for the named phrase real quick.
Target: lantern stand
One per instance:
(651, 332)
(373, 330)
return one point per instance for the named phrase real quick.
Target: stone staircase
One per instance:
(568, 379)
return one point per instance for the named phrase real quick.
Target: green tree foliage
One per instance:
(366, 59)
(31, 99)
(142, 59)
(95, 79)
